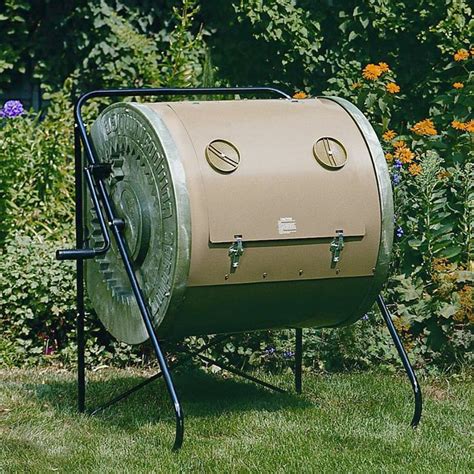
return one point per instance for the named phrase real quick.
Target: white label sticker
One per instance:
(286, 225)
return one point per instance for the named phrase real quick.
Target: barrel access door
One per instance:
(276, 178)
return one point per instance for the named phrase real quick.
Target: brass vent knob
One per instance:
(223, 156)
(330, 153)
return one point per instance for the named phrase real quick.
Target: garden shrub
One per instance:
(36, 172)
(407, 65)
(38, 309)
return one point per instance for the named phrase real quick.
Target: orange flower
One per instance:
(405, 155)
(389, 157)
(469, 126)
(399, 144)
(300, 95)
(384, 67)
(389, 135)
(466, 127)
(461, 55)
(392, 88)
(424, 127)
(443, 174)
(458, 85)
(372, 72)
(414, 169)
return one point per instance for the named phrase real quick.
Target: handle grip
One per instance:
(75, 254)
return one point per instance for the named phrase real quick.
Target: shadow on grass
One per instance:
(201, 394)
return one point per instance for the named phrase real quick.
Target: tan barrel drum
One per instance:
(241, 215)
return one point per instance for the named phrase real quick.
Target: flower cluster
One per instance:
(399, 156)
(270, 350)
(464, 126)
(414, 169)
(424, 127)
(372, 72)
(466, 306)
(11, 109)
(396, 178)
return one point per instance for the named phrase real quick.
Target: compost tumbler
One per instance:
(241, 215)
(225, 216)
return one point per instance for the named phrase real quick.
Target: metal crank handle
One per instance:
(75, 254)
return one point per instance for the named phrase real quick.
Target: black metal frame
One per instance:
(95, 173)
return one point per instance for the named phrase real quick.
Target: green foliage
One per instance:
(124, 56)
(104, 43)
(399, 62)
(38, 307)
(282, 23)
(36, 300)
(36, 172)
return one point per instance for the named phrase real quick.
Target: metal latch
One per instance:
(336, 247)
(235, 252)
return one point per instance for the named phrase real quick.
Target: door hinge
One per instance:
(336, 247)
(235, 252)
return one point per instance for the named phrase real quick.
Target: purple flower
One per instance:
(396, 178)
(270, 350)
(397, 164)
(365, 317)
(288, 354)
(399, 232)
(11, 109)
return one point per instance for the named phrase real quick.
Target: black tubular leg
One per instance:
(81, 372)
(151, 333)
(406, 362)
(298, 359)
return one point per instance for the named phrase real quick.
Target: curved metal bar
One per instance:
(406, 362)
(104, 202)
(80, 253)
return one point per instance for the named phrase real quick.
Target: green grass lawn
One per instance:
(342, 423)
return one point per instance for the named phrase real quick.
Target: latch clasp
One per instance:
(235, 252)
(336, 247)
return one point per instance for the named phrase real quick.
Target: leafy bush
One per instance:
(36, 172)
(38, 309)
(407, 65)
(37, 303)
(432, 168)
